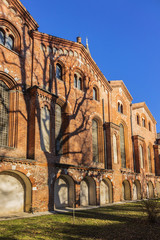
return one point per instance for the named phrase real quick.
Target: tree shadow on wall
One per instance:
(78, 115)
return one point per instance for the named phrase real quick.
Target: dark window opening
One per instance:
(95, 95)
(75, 80)
(58, 71)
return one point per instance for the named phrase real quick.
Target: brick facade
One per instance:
(70, 177)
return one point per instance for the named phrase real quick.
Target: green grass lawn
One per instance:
(124, 221)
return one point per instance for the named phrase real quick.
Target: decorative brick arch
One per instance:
(150, 189)
(17, 38)
(126, 190)
(87, 191)
(64, 191)
(27, 186)
(106, 188)
(8, 80)
(136, 188)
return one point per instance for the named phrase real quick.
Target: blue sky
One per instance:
(124, 39)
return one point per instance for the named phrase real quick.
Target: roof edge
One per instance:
(143, 105)
(25, 14)
(120, 83)
(49, 38)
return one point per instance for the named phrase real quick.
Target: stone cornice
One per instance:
(36, 89)
(112, 125)
(83, 168)
(138, 137)
(17, 160)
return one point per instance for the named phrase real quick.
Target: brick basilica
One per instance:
(68, 137)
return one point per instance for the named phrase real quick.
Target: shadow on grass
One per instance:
(113, 222)
(7, 238)
(114, 213)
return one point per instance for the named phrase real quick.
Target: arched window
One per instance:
(95, 140)
(122, 147)
(9, 42)
(141, 156)
(120, 107)
(149, 159)
(138, 119)
(149, 126)
(114, 148)
(78, 81)
(58, 71)
(4, 113)
(143, 122)
(9, 36)
(58, 129)
(95, 94)
(45, 129)
(2, 37)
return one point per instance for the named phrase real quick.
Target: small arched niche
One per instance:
(64, 194)
(87, 192)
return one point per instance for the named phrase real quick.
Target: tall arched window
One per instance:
(122, 146)
(58, 129)
(95, 140)
(115, 148)
(120, 107)
(138, 119)
(149, 159)
(2, 37)
(141, 156)
(143, 122)
(58, 71)
(95, 94)
(4, 113)
(45, 129)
